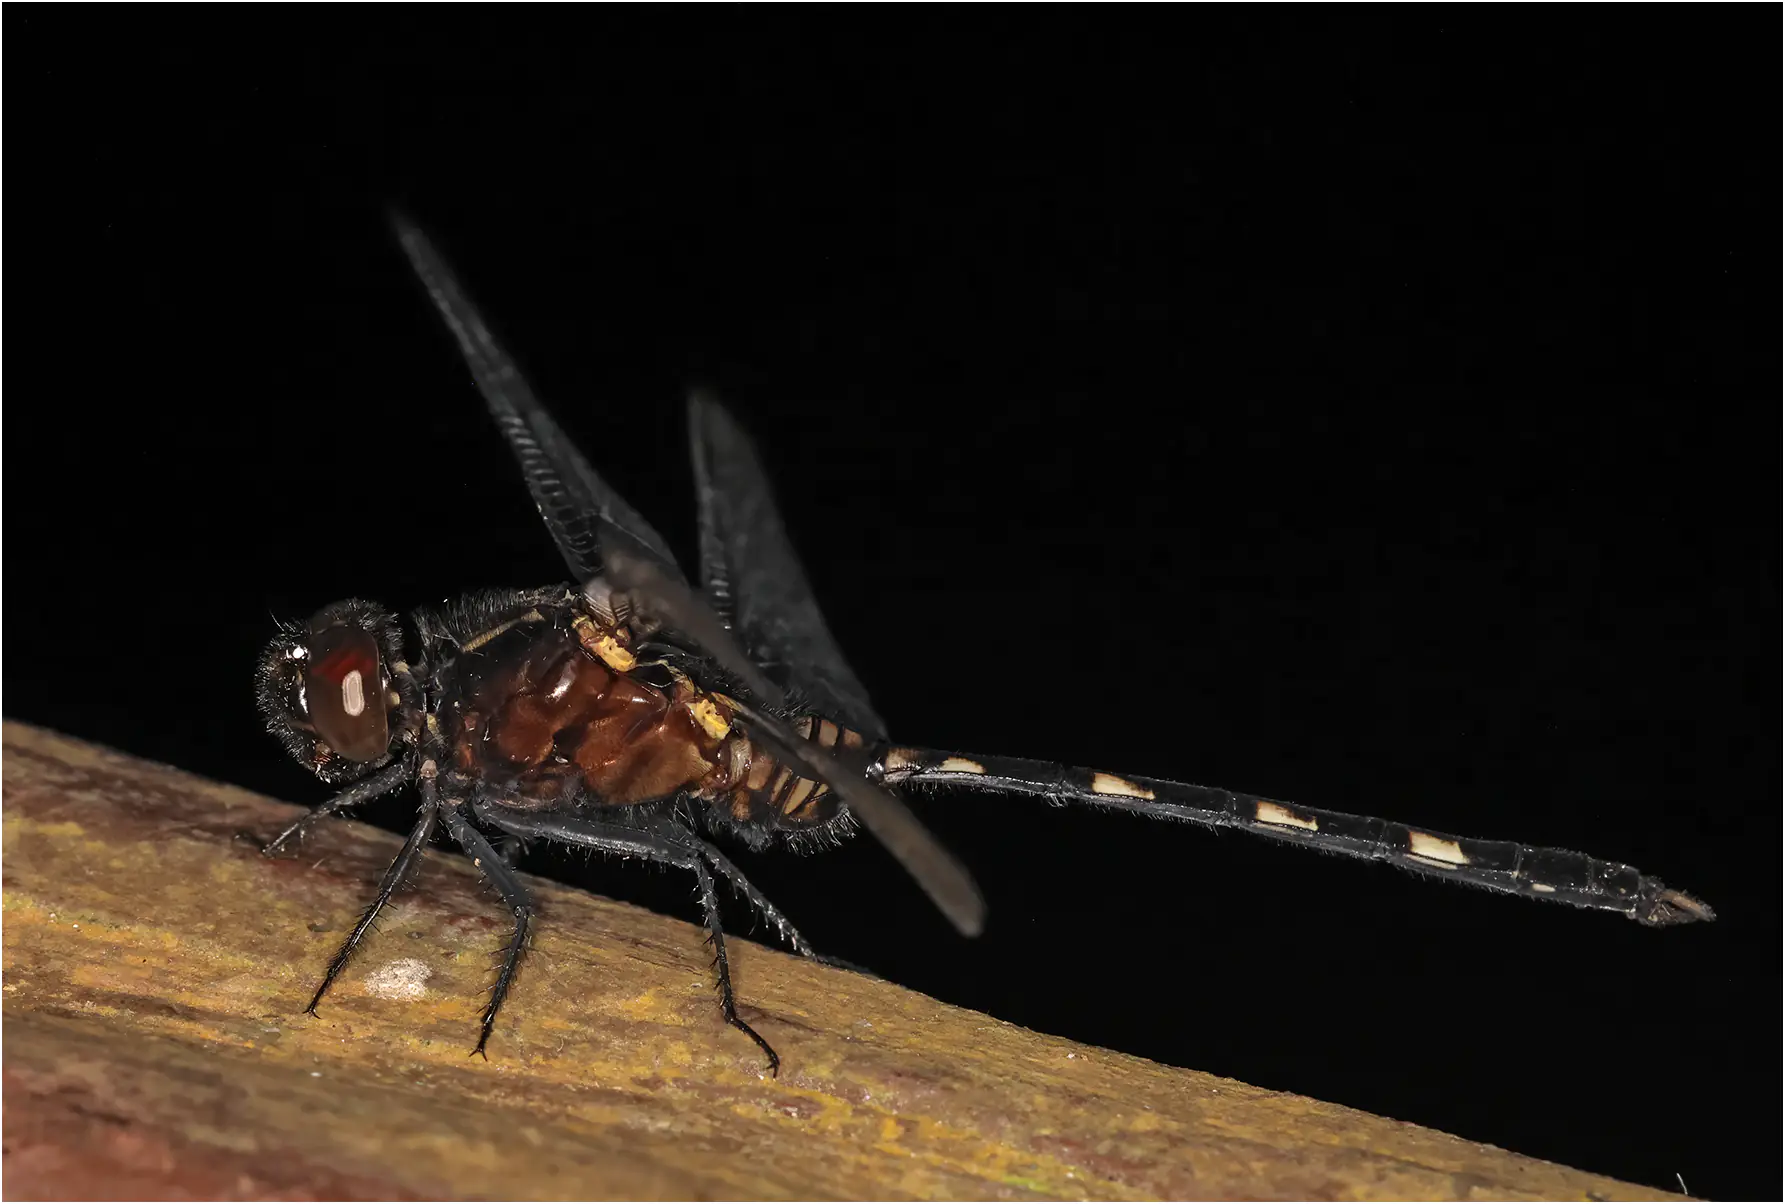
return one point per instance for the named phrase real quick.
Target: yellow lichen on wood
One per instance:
(156, 970)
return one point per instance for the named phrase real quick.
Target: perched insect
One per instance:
(627, 712)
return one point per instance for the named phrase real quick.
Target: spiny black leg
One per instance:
(767, 910)
(382, 782)
(666, 844)
(513, 892)
(393, 878)
(732, 874)
(709, 902)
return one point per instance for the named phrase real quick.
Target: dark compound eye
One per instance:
(344, 692)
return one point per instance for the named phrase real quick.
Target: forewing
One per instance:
(586, 517)
(753, 578)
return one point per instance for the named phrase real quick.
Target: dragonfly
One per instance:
(632, 712)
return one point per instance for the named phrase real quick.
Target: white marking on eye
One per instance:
(303, 699)
(1427, 847)
(1109, 783)
(960, 765)
(353, 694)
(1543, 888)
(1277, 813)
(405, 978)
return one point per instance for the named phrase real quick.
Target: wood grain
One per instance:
(156, 969)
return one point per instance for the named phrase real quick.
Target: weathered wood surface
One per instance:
(156, 969)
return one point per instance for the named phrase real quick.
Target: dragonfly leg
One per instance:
(514, 893)
(679, 849)
(774, 915)
(400, 868)
(382, 782)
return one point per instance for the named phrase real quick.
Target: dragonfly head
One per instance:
(325, 687)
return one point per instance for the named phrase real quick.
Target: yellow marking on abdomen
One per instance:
(900, 758)
(1543, 888)
(801, 789)
(1109, 783)
(1436, 849)
(960, 765)
(1277, 813)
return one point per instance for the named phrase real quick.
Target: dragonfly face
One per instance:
(326, 689)
(622, 712)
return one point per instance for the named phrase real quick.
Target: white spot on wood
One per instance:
(353, 694)
(405, 978)
(960, 765)
(1427, 847)
(1109, 783)
(1277, 813)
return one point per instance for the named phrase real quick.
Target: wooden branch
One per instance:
(157, 967)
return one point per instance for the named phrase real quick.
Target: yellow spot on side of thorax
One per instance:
(1276, 813)
(614, 656)
(711, 721)
(1109, 783)
(1427, 847)
(603, 645)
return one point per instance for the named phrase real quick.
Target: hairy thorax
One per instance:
(539, 722)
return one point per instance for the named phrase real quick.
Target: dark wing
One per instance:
(584, 514)
(601, 536)
(753, 578)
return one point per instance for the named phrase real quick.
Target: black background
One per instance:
(1378, 411)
